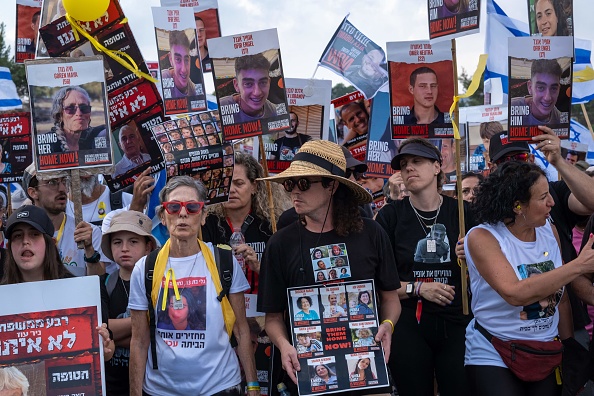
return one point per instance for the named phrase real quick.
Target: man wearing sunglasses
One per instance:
(574, 201)
(327, 204)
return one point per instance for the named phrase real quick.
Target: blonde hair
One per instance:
(12, 378)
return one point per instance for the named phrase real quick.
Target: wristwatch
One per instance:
(410, 288)
(94, 259)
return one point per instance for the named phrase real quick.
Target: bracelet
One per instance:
(253, 388)
(391, 323)
(253, 384)
(419, 289)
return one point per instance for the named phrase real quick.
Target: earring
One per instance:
(518, 207)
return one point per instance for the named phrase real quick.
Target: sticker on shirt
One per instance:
(188, 312)
(361, 304)
(546, 307)
(435, 247)
(330, 262)
(305, 306)
(334, 303)
(322, 373)
(363, 334)
(309, 341)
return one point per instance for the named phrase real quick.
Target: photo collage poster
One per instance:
(249, 84)
(78, 134)
(309, 109)
(175, 32)
(333, 328)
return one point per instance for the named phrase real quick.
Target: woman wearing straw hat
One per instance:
(327, 205)
(423, 229)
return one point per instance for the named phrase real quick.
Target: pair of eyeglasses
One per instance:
(522, 157)
(355, 174)
(71, 110)
(192, 207)
(54, 184)
(302, 184)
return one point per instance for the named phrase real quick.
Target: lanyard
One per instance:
(61, 230)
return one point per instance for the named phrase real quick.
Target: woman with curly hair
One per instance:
(247, 211)
(517, 278)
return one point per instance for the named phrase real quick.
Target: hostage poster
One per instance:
(49, 340)
(309, 109)
(449, 19)
(249, 84)
(351, 113)
(549, 18)
(69, 113)
(540, 77)
(206, 15)
(15, 146)
(175, 31)
(355, 57)
(28, 13)
(333, 328)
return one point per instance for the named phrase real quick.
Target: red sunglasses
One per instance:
(522, 157)
(174, 207)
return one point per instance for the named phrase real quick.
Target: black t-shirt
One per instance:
(428, 255)
(117, 375)
(217, 231)
(287, 147)
(290, 215)
(288, 262)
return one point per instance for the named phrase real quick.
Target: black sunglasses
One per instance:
(302, 184)
(71, 110)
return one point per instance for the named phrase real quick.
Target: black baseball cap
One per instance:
(415, 149)
(500, 145)
(352, 163)
(32, 215)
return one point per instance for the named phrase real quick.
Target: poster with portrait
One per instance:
(135, 149)
(49, 340)
(206, 15)
(175, 32)
(192, 146)
(309, 109)
(449, 19)
(28, 13)
(381, 147)
(15, 146)
(249, 84)
(421, 89)
(69, 113)
(540, 82)
(333, 328)
(354, 56)
(573, 152)
(351, 112)
(549, 18)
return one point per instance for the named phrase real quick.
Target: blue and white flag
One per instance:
(9, 98)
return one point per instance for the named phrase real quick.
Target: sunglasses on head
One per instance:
(71, 110)
(302, 184)
(192, 207)
(522, 157)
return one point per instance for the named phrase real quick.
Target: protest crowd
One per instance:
(148, 247)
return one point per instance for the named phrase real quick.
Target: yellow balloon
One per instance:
(85, 10)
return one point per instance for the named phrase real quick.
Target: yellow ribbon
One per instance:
(474, 84)
(118, 56)
(584, 75)
(170, 274)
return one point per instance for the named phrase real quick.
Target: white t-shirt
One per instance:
(535, 322)
(72, 256)
(124, 165)
(198, 360)
(98, 209)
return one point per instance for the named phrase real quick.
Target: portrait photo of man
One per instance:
(370, 75)
(176, 78)
(288, 145)
(356, 119)
(130, 143)
(423, 86)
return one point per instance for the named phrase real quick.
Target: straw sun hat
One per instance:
(325, 159)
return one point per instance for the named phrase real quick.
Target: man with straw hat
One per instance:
(327, 205)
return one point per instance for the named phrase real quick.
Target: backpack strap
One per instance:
(224, 260)
(149, 269)
(115, 200)
(112, 281)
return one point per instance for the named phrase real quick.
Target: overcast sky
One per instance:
(306, 26)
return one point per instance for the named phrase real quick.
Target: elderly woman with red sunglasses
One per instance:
(71, 114)
(187, 263)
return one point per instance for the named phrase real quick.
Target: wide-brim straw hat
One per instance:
(323, 159)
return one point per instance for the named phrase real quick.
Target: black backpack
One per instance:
(223, 259)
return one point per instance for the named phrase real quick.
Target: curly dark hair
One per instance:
(346, 216)
(196, 317)
(508, 184)
(308, 298)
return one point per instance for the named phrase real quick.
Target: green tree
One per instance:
(478, 98)
(17, 70)
(340, 90)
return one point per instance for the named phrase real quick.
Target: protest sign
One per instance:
(249, 84)
(449, 19)
(175, 31)
(352, 122)
(69, 113)
(130, 100)
(421, 89)
(206, 15)
(540, 78)
(49, 339)
(550, 17)
(355, 57)
(333, 328)
(15, 146)
(28, 13)
(381, 147)
(309, 109)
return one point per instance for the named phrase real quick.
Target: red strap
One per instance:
(419, 310)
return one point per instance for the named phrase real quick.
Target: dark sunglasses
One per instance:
(192, 207)
(302, 184)
(71, 110)
(522, 157)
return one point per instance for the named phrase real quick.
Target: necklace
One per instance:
(125, 290)
(424, 226)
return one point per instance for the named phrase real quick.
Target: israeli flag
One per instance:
(9, 98)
